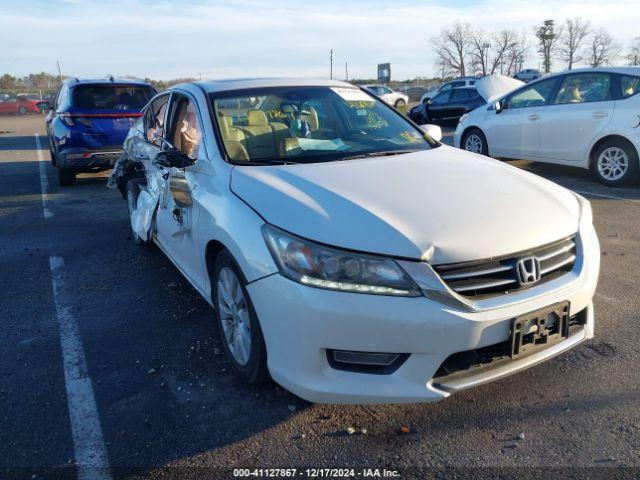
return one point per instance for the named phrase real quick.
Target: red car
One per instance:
(21, 105)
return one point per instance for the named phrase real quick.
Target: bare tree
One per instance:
(480, 51)
(453, 46)
(514, 57)
(548, 36)
(503, 43)
(633, 55)
(572, 41)
(603, 49)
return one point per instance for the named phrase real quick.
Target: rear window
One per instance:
(630, 85)
(111, 97)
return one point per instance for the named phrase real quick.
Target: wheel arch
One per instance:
(466, 131)
(611, 136)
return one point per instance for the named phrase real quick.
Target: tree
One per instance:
(547, 39)
(480, 51)
(603, 49)
(503, 43)
(572, 41)
(633, 56)
(8, 82)
(452, 47)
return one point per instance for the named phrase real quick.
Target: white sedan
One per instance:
(348, 254)
(586, 118)
(391, 97)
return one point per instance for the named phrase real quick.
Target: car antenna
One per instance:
(111, 78)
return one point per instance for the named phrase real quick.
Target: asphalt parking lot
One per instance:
(168, 405)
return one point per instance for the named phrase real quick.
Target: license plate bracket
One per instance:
(539, 328)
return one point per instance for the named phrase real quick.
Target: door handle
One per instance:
(533, 117)
(599, 114)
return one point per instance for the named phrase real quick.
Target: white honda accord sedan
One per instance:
(346, 253)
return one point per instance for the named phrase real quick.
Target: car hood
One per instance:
(442, 205)
(492, 87)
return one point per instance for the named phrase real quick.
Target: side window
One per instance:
(584, 87)
(630, 85)
(385, 90)
(472, 82)
(186, 134)
(154, 120)
(446, 87)
(441, 98)
(61, 100)
(460, 95)
(534, 96)
(458, 84)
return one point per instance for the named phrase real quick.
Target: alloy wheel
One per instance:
(473, 143)
(613, 163)
(234, 316)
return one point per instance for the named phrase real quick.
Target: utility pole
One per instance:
(346, 72)
(331, 64)
(59, 71)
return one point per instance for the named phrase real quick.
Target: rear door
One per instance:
(582, 107)
(456, 106)
(437, 107)
(514, 131)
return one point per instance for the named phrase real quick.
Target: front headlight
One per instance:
(586, 219)
(319, 266)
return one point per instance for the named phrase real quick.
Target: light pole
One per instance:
(331, 64)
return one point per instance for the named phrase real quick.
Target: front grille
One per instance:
(497, 276)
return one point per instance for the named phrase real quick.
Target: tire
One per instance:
(22, 111)
(235, 314)
(66, 178)
(132, 191)
(474, 141)
(400, 104)
(52, 153)
(615, 163)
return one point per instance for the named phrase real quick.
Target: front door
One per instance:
(177, 210)
(515, 130)
(582, 107)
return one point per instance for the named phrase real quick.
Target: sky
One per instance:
(247, 38)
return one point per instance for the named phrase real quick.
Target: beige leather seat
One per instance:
(234, 139)
(259, 136)
(311, 118)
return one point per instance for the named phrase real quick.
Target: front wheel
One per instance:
(400, 104)
(238, 324)
(615, 163)
(22, 110)
(475, 141)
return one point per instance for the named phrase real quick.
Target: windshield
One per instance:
(111, 97)
(311, 124)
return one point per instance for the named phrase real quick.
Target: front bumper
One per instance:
(304, 322)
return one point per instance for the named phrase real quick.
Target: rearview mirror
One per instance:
(434, 131)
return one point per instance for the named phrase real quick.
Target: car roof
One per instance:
(621, 70)
(214, 86)
(72, 82)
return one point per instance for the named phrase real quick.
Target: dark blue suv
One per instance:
(89, 122)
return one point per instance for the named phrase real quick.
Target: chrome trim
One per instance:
(555, 253)
(477, 273)
(477, 286)
(556, 266)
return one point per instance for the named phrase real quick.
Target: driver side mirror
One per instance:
(497, 107)
(172, 157)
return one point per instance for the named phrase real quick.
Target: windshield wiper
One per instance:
(382, 153)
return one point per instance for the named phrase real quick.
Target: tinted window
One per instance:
(630, 85)
(536, 95)
(187, 132)
(584, 87)
(460, 95)
(442, 97)
(472, 82)
(111, 97)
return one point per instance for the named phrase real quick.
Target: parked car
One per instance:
(89, 122)
(457, 83)
(348, 254)
(528, 74)
(447, 106)
(585, 118)
(391, 97)
(19, 105)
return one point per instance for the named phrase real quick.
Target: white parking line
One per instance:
(44, 181)
(88, 443)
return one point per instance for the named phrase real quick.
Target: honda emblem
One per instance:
(528, 270)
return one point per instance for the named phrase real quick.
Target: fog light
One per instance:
(366, 362)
